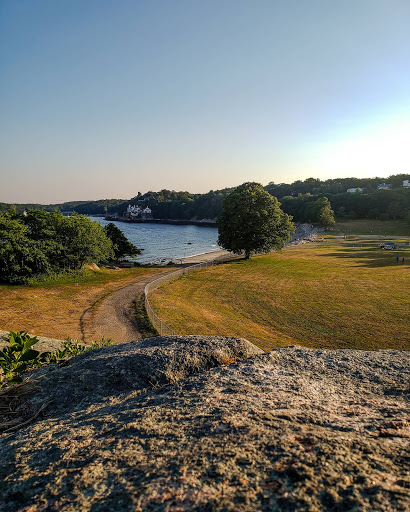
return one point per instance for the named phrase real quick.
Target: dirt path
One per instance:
(113, 316)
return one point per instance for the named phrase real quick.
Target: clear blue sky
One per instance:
(104, 98)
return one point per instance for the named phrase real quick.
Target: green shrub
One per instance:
(19, 356)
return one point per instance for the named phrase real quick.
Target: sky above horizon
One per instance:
(102, 99)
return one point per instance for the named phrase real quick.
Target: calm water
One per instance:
(168, 241)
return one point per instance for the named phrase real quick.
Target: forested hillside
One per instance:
(100, 206)
(297, 199)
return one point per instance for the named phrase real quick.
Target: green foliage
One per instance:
(121, 245)
(20, 255)
(334, 186)
(371, 204)
(169, 204)
(18, 356)
(294, 197)
(59, 277)
(101, 206)
(41, 243)
(80, 240)
(252, 221)
(73, 348)
(320, 212)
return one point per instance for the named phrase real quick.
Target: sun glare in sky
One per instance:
(373, 150)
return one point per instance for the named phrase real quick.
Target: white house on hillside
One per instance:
(406, 183)
(135, 212)
(384, 186)
(354, 190)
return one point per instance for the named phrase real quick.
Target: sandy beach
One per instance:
(208, 256)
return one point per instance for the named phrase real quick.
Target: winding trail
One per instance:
(113, 316)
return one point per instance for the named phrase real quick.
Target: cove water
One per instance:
(167, 241)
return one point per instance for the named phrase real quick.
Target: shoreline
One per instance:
(304, 233)
(172, 222)
(195, 258)
(207, 256)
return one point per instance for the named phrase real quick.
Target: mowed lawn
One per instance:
(328, 295)
(55, 309)
(374, 227)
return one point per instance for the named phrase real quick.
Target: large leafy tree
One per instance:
(320, 212)
(82, 241)
(69, 241)
(121, 245)
(252, 221)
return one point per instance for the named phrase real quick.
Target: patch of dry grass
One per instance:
(55, 310)
(332, 295)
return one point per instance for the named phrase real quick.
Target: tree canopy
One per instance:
(320, 212)
(252, 221)
(39, 243)
(121, 245)
(20, 255)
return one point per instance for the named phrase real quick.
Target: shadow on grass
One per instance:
(371, 258)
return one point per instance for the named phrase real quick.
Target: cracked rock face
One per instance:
(204, 423)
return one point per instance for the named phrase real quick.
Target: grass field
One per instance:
(54, 308)
(382, 228)
(327, 295)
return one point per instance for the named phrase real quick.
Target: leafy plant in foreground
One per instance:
(19, 355)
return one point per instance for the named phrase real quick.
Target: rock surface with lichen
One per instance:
(212, 424)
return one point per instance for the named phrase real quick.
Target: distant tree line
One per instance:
(370, 203)
(297, 199)
(169, 204)
(40, 243)
(99, 207)
(300, 199)
(381, 204)
(335, 186)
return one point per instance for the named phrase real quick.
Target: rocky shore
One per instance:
(212, 424)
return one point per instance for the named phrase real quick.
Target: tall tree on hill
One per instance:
(253, 222)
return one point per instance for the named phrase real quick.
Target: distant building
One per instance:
(406, 183)
(135, 212)
(354, 190)
(147, 213)
(384, 186)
